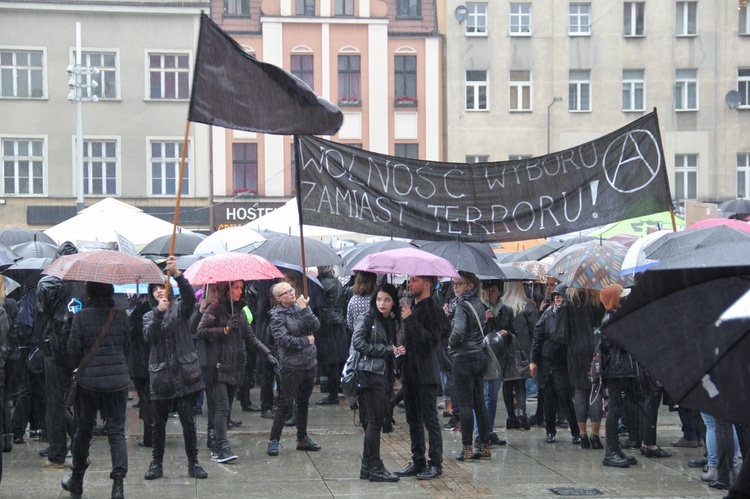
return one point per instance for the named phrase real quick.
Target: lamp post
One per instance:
(556, 99)
(77, 85)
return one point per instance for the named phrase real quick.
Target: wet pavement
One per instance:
(525, 468)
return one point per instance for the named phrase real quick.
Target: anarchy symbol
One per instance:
(627, 167)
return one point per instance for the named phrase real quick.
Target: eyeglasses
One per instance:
(289, 292)
(458, 283)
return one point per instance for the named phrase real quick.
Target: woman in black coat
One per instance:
(375, 339)
(103, 384)
(331, 337)
(466, 344)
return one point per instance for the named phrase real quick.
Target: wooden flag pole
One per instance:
(177, 202)
(674, 221)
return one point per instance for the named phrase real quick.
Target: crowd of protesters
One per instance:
(419, 344)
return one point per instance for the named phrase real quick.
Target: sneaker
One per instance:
(307, 444)
(452, 424)
(225, 456)
(233, 423)
(51, 465)
(495, 440)
(273, 448)
(711, 475)
(269, 414)
(550, 438)
(154, 471)
(195, 470)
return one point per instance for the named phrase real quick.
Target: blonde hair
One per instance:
(514, 296)
(2, 290)
(581, 296)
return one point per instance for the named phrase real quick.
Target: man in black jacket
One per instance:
(423, 324)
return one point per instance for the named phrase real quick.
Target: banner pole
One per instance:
(299, 215)
(177, 202)
(674, 221)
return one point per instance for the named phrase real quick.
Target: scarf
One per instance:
(458, 299)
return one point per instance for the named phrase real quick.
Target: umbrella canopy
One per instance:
(27, 271)
(635, 260)
(185, 261)
(10, 285)
(464, 257)
(728, 222)
(288, 249)
(538, 252)
(539, 269)
(314, 286)
(509, 272)
(35, 249)
(737, 208)
(591, 265)
(567, 243)
(112, 267)
(5, 260)
(410, 261)
(228, 239)
(16, 235)
(670, 324)
(485, 248)
(231, 267)
(676, 244)
(358, 252)
(6, 251)
(185, 244)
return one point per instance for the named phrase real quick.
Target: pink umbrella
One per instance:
(410, 261)
(226, 267)
(713, 222)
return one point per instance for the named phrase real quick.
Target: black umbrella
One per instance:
(677, 244)
(27, 271)
(464, 257)
(35, 249)
(738, 208)
(288, 249)
(540, 251)
(485, 248)
(510, 272)
(314, 286)
(567, 243)
(184, 261)
(506, 256)
(355, 254)
(16, 235)
(670, 323)
(185, 243)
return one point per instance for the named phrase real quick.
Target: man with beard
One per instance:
(423, 323)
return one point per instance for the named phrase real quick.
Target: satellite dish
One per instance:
(461, 13)
(733, 99)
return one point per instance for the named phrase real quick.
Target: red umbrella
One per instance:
(226, 267)
(112, 267)
(411, 261)
(713, 222)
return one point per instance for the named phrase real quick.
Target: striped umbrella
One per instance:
(591, 265)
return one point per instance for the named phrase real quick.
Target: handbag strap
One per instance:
(479, 323)
(85, 361)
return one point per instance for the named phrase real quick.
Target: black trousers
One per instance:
(266, 375)
(421, 415)
(333, 372)
(143, 388)
(160, 410)
(296, 386)
(621, 390)
(558, 401)
(30, 403)
(650, 400)
(374, 403)
(59, 419)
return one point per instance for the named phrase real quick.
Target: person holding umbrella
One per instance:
(225, 323)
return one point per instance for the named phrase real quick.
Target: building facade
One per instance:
(531, 77)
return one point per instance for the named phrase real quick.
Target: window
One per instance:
(169, 76)
(686, 90)
(520, 90)
(743, 86)
(744, 21)
(409, 8)
(106, 63)
(302, 68)
(239, 8)
(686, 176)
(245, 168)
(23, 166)
(405, 76)
(520, 18)
(633, 94)
(634, 15)
(743, 175)
(165, 166)
(349, 80)
(21, 74)
(305, 8)
(99, 167)
(580, 19)
(579, 90)
(477, 158)
(476, 20)
(409, 151)
(344, 7)
(686, 21)
(477, 97)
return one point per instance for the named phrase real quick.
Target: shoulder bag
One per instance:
(492, 370)
(70, 399)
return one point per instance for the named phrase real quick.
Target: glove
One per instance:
(271, 359)
(234, 324)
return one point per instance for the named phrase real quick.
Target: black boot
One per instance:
(73, 483)
(511, 423)
(364, 469)
(195, 470)
(154, 470)
(523, 421)
(378, 473)
(117, 485)
(630, 459)
(612, 458)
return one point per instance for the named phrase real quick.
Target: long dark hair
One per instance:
(393, 292)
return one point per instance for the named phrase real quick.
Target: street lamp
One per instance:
(80, 91)
(556, 99)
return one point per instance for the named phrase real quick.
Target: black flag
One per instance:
(232, 89)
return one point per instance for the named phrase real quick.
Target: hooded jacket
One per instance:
(229, 348)
(173, 365)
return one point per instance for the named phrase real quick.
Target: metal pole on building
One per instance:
(79, 124)
(556, 99)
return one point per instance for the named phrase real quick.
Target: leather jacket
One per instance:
(373, 343)
(466, 336)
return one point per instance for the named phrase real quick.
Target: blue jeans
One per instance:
(531, 387)
(713, 456)
(491, 390)
(689, 428)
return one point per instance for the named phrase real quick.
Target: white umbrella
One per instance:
(285, 220)
(635, 260)
(228, 239)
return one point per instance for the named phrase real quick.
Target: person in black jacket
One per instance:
(375, 339)
(174, 371)
(103, 384)
(331, 337)
(138, 364)
(469, 361)
(225, 323)
(207, 357)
